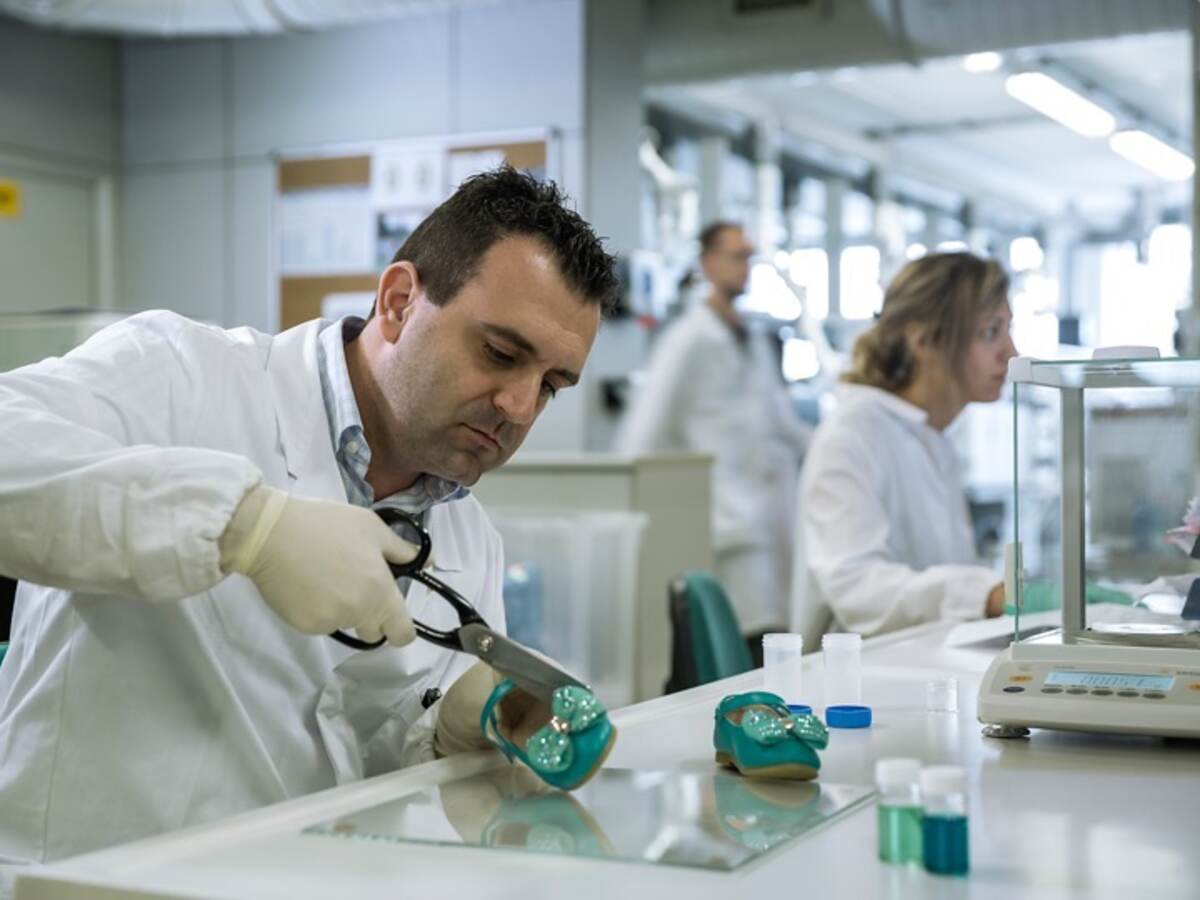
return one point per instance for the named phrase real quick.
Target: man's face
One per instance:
(727, 264)
(463, 383)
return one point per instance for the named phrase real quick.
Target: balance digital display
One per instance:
(1116, 681)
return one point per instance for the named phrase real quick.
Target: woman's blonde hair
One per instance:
(948, 292)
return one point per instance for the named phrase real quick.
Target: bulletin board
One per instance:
(341, 213)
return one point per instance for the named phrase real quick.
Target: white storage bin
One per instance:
(570, 590)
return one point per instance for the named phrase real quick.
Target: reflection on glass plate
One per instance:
(707, 821)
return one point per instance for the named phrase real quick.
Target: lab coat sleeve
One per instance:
(653, 418)
(795, 433)
(846, 530)
(418, 742)
(97, 491)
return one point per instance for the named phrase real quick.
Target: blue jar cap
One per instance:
(799, 709)
(848, 716)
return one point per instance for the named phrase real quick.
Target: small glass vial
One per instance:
(944, 822)
(897, 781)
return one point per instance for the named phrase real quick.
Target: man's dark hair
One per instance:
(448, 247)
(711, 233)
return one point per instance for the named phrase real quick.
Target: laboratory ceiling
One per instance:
(936, 121)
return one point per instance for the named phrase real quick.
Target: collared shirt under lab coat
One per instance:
(120, 466)
(885, 537)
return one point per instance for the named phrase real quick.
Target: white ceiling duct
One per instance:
(703, 40)
(196, 18)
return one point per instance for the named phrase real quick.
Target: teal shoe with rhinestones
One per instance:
(570, 748)
(755, 734)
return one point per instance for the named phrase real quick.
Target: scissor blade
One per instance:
(530, 671)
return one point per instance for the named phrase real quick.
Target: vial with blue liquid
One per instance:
(944, 838)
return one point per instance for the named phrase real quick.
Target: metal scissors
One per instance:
(512, 660)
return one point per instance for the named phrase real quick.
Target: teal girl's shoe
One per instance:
(757, 735)
(568, 750)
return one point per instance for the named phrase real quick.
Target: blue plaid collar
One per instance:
(348, 438)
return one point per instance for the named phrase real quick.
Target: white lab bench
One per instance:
(1060, 815)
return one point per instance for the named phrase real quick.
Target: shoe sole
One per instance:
(793, 771)
(612, 740)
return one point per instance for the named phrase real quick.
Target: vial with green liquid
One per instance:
(900, 812)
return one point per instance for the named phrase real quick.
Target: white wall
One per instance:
(614, 111)
(58, 142)
(202, 119)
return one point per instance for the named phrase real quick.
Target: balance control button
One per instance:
(1076, 690)
(1154, 695)
(1014, 689)
(1128, 694)
(1051, 690)
(1101, 692)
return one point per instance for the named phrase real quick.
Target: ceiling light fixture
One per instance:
(1153, 155)
(982, 62)
(1054, 99)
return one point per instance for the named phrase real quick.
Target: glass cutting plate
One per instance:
(695, 819)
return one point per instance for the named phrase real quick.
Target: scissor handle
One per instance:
(424, 541)
(415, 570)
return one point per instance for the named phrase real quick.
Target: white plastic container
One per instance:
(571, 588)
(843, 669)
(783, 671)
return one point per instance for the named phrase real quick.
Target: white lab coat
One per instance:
(705, 391)
(885, 537)
(122, 715)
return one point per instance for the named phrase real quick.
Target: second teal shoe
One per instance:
(755, 734)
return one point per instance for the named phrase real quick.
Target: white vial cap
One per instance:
(841, 641)
(897, 771)
(943, 780)
(783, 640)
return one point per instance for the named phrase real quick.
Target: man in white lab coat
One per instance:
(189, 512)
(713, 386)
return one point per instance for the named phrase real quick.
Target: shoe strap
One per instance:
(751, 698)
(489, 720)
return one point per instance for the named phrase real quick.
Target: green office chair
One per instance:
(706, 640)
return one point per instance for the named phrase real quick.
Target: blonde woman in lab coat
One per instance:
(885, 538)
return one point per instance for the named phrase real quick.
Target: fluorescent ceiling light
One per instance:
(982, 62)
(1151, 154)
(1060, 103)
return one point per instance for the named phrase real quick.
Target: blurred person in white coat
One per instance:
(189, 512)
(713, 385)
(885, 538)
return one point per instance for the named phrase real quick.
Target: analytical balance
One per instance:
(1105, 463)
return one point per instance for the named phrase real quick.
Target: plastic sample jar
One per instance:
(898, 782)
(941, 694)
(944, 839)
(843, 669)
(783, 673)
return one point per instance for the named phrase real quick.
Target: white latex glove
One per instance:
(322, 566)
(457, 729)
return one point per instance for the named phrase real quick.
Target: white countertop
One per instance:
(1060, 815)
